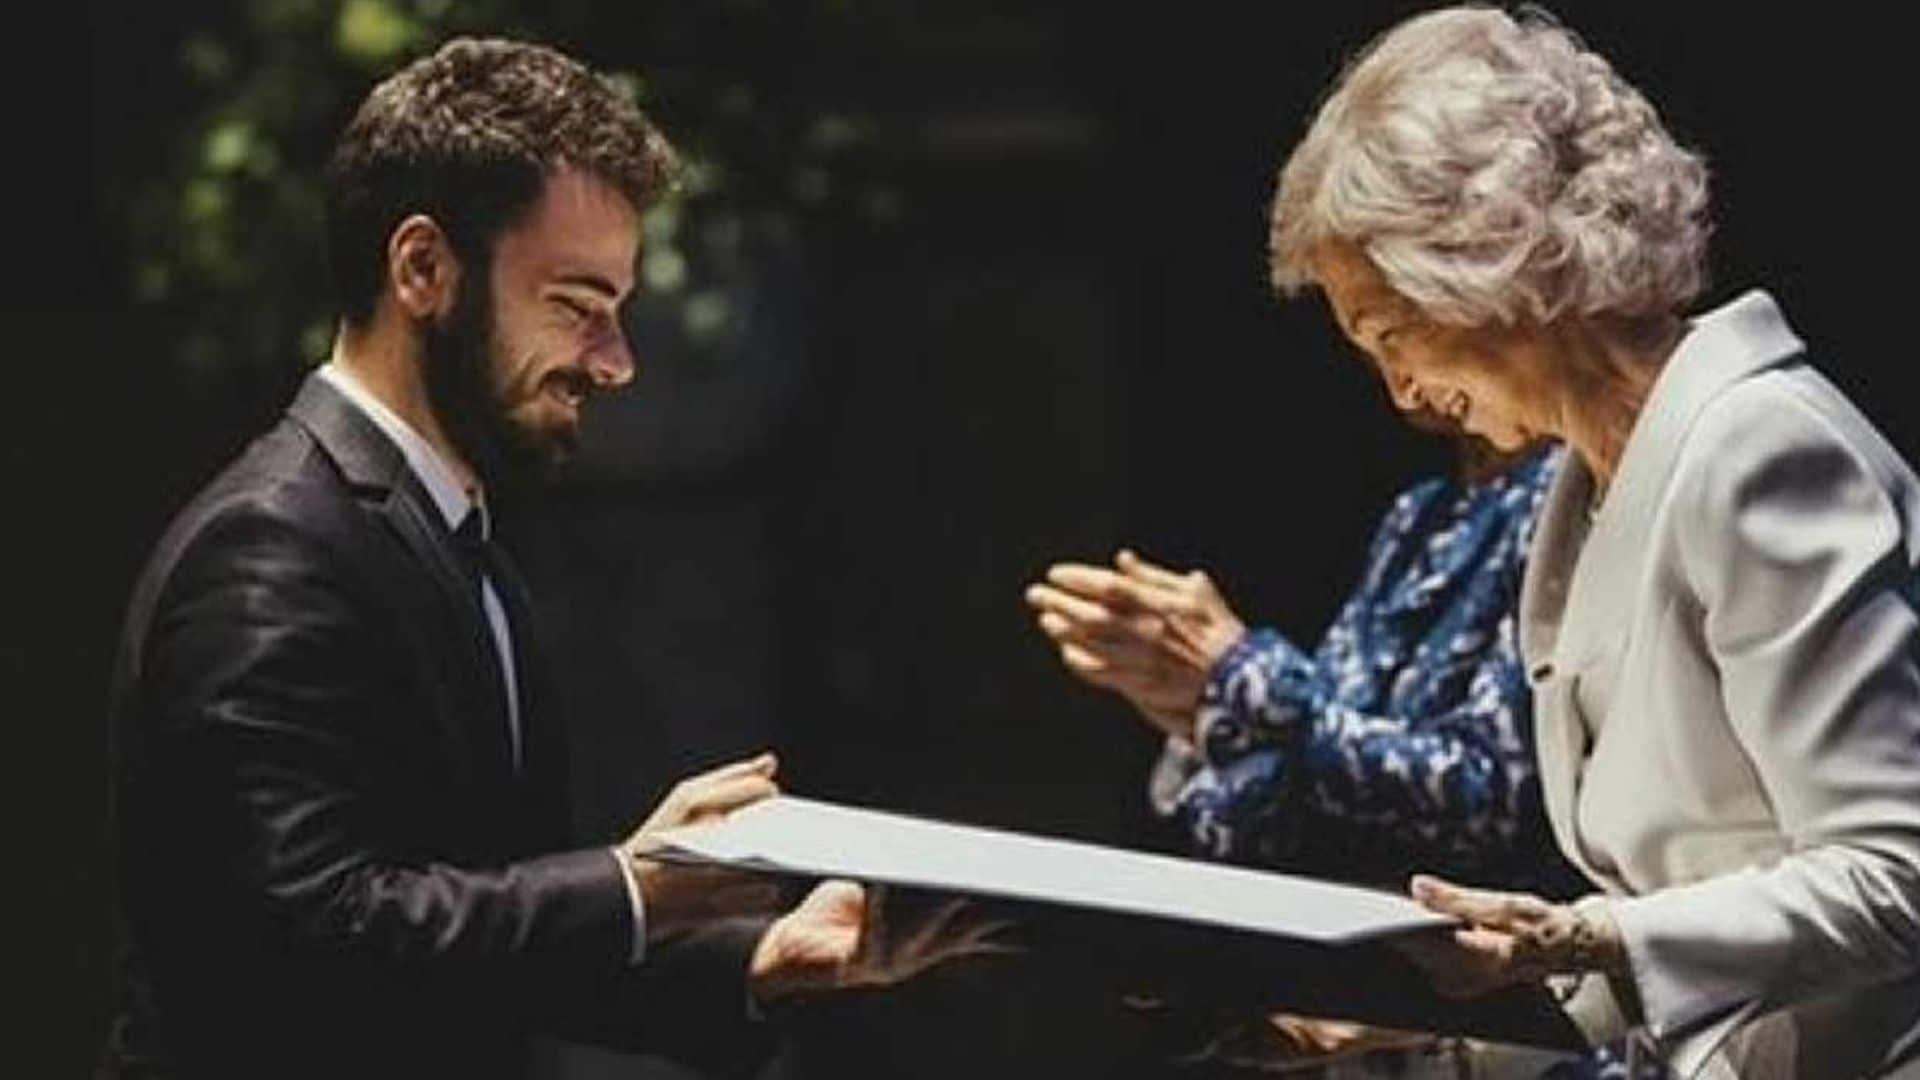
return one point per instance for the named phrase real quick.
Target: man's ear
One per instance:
(422, 271)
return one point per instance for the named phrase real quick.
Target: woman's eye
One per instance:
(573, 309)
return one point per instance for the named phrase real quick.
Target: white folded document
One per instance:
(817, 839)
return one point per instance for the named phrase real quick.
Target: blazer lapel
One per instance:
(377, 470)
(1579, 588)
(1723, 347)
(1559, 736)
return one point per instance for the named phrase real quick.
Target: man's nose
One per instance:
(612, 365)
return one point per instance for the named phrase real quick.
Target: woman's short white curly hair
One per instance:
(1496, 170)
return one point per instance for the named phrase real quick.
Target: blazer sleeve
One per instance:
(1794, 544)
(266, 677)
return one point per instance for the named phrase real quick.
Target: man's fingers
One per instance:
(704, 797)
(762, 764)
(837, 901)
(904, 941)
(931, 927)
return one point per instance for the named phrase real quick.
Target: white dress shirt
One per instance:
(454, 501)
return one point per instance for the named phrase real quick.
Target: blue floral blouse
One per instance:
(1404, 742)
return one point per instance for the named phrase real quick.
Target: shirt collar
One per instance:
(442, 483)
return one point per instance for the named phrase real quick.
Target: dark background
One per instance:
(983, 287)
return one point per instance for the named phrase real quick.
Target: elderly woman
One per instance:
(1719, 615)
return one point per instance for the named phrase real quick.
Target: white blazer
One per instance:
(1726, 668)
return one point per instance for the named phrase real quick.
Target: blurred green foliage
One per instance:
(224, 234)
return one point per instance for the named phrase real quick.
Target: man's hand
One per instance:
(1141, 630)
(676, 895)
(841, 937)
(1308, 1036)
(1284, 1042)
(1511, 938)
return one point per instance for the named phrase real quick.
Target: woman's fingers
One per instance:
(1064, 616)
(1116, 591)
(1077, 607)
(1151, 573)
(1497, 946)
(1481, 907)
(1508, 937)
(1120, 644)
(1055, 625)
(1085, 663)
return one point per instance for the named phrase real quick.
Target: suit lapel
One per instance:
(377, 471)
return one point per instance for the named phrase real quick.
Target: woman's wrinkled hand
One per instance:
(1143, 631)
(1511, 938)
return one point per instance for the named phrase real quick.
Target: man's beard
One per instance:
(459, 350)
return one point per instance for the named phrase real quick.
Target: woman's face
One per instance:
(1495, 382)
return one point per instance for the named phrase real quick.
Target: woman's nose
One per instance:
(1405, 393)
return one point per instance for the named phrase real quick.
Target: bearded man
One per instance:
(338, 774)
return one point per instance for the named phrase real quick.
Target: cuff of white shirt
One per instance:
(638, 905)
(1178, 762)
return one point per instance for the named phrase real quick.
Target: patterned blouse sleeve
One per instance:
(1279, 758)
(1452, 786)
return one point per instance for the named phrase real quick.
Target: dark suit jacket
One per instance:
(328, 866)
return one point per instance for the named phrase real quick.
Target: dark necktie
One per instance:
(481, 561)
(473, 545)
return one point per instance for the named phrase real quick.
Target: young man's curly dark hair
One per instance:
(468, 136)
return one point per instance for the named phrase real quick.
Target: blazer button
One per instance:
(1542, 671)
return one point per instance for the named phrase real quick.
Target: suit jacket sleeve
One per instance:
(267, 682)
(1794, 547)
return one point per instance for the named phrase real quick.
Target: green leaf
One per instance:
(373, 32)
(227, 145)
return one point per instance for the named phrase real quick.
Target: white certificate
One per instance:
(802, 836)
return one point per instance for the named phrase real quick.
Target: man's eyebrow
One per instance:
(591, 282)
